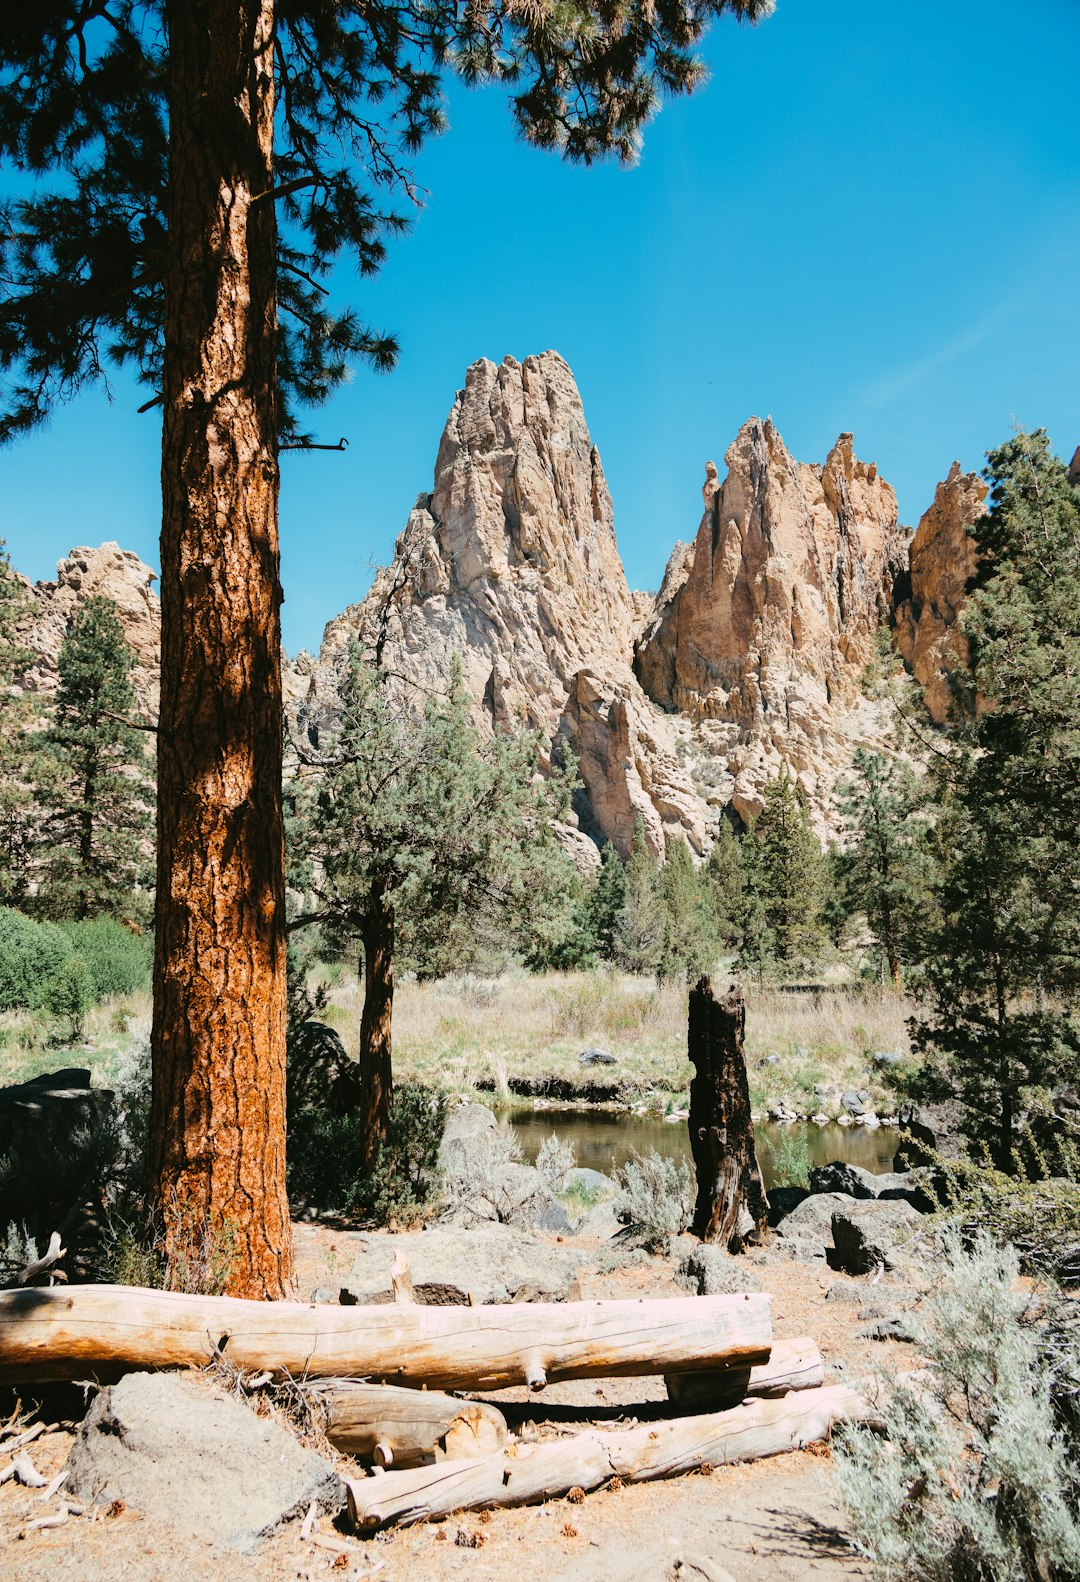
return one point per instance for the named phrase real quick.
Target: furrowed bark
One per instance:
(107, 1330)
(662, 1450)
(217, 1136)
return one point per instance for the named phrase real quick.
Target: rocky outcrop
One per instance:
(762, 629)
(944, 557)
(110, 572)
(510, 564)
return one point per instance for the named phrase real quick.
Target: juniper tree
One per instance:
(606, 902)
(689, 940)
(425, 839)
(785, 877)
(199, 168)
(91, 776)
(883, 866)
(17, 712)
(639, 936)
(725, 875)
(996, 1015)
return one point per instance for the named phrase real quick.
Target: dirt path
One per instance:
(773, 1521)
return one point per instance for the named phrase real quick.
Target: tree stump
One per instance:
(731, 1204)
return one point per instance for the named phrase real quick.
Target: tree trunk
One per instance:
(217, 1139)
(731, 1204)
(376, 1073)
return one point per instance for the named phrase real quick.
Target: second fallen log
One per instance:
(541, 1472)
(107, 1330)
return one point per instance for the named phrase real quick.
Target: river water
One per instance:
(604, 1139)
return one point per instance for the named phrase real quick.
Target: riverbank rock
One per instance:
(193, 1458)
(811, 1220)
(448, 1263)
(871, 1235)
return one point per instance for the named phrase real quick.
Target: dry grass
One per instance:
(458, 1032)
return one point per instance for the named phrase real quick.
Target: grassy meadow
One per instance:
(463, 1032)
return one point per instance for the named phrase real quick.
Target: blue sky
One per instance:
(868, 219)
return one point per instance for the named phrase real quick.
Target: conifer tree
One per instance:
(606, 902)
(92, 778)
(689, 943)
(786, 878)
(428, 841)
(997, 1011)
(725, 875)
(17, 713)
(883, 866)
(639, 940)
(197, 169)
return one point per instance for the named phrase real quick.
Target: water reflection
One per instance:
(603, 1139)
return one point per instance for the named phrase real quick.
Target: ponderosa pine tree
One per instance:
(165, 139)
(17, 711)
(91, 778)
(428, 841)
(997, 1004)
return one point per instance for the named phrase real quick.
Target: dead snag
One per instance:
(731, 1204)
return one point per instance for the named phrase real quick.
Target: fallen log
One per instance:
(390, 1426)
(794, 1365)
(108, 1330)
(523, 1475)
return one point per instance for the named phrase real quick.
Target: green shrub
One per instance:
(30, 954)
(789, 1155)
(976, 1478)
(120, 962)
(324, 1154)
(69, 994)
(1041, 1219)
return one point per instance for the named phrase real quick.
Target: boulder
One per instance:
(51, 1133)
(468, 1126)
(868, 1235)
(490, 1263)
(596, 1057)
(710, 1271)
(593, 1182)
(190, 1457)
(598, 1221)
(853, 1102)
(851, 1180)
(782, 1200)
(812, 1218)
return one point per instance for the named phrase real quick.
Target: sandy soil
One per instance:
(775, 1521)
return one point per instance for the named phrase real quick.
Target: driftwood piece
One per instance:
(391, 1426)
(758, 1428)
(731, 1204)
(794, 1365)
(34, 1271)
(108, 1330)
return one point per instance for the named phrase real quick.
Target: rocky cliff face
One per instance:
(510, 563)
(763, 627)
(113, 573)
(943, 560)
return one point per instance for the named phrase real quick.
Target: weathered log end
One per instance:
(731, 1206)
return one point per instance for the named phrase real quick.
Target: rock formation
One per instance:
(510, 563)
(113, 573)
(943, 561)
(763, 627)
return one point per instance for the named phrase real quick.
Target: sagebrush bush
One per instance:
(655, 1197)
(976, 1478)
(1040, 1218)
(485, 1177)
(119, 961)
(554, 1162)
(324, 1158)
